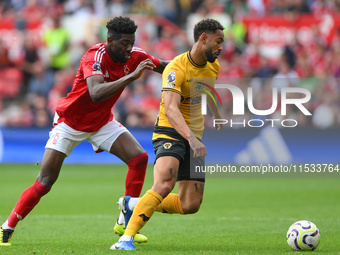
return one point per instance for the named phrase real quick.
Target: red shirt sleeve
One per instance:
(154, 60)
(90, 66)
(144, 55)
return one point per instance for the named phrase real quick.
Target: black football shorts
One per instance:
(181, 150)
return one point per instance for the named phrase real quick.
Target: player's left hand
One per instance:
(199, 149)
(145, 64)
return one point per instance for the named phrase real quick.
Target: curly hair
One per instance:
(120, 25)
(206, 26)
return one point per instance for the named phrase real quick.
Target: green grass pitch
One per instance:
(238, 216)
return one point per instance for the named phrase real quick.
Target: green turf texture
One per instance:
(238, 216)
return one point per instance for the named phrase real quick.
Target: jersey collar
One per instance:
(193, 63)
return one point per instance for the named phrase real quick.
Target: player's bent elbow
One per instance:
(169, 110)
(95, 98)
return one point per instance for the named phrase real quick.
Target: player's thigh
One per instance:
(190, 194)
(169, 154)
(166, 169)
(50, 167)
(165, 174)
(126, 147)
(116, 139)
(64, 139)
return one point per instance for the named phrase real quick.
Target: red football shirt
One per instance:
(77, 109)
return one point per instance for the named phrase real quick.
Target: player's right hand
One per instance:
(145, 64)
(198, 148)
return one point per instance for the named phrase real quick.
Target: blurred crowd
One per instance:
(36, 72)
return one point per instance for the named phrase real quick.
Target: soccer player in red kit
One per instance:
(85, 114)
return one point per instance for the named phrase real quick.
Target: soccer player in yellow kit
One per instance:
(178, 133)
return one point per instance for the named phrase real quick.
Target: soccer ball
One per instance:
(303, 235)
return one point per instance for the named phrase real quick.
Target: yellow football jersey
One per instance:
(188, 79)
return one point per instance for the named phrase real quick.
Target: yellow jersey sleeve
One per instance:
(173, 78)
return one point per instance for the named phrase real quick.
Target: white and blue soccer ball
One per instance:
(303, 235)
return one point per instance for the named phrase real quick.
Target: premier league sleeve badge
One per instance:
(96, 69)
(171, 77)
(96, 66)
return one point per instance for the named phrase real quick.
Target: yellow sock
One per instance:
(170, 204)
(142, 212)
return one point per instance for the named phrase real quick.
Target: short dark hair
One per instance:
(206, 26)
(120, 25)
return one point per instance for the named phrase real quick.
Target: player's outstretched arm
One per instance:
(100, 90)
(171, 103)
(161, 66)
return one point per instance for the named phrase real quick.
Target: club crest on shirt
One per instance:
(171, 77)
(126, 70)
(96, 66)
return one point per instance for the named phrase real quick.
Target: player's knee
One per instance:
(191, 207)
(40, 189)
(143, 158)
(163, 189)
(139, 160)
(47, 180)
